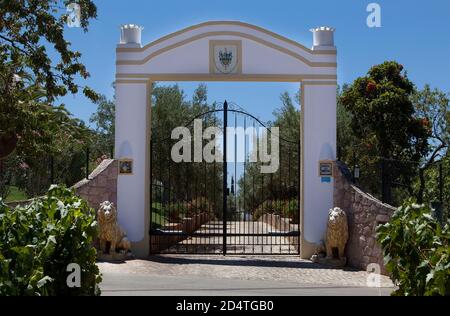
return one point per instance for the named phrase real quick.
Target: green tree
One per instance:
(200, 98)
(386, 122)
(346, 140)
(433, 106)
(260, 193)
(46, 131)
(287, 117)
(30, 32)
(104, 121)
(181, 182)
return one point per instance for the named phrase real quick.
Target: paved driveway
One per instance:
(212, 244)
(233, 275)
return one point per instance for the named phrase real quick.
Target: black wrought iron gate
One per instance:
(223, 206)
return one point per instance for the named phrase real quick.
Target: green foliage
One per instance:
(175, 211)
(431, 191)
(28, 29)
(383, 113)
(104, 120)
(42, 131)
(181, 181)
(199, 205)
(417, 251)
(283, 184)
(434, 106)
(284, 208)
(287, 117)
(31, 173)
(15, 194)
(38, 241)
(385, 124)
(37, 65)
(346, 140)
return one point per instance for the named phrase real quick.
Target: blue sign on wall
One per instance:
(326, 179)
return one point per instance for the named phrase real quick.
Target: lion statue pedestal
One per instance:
(113, 242)
(332, 253)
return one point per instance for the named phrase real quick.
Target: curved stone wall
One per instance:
(101, 184)
(364, 213)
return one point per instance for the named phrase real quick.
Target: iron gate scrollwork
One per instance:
(226, 206)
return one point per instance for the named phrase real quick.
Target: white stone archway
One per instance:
(187, 55)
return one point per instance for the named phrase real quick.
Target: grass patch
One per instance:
(157, 219)
(15, 194)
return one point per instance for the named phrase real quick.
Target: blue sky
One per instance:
(415, 33)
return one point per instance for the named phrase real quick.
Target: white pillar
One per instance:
(318, 143)
(132, 142)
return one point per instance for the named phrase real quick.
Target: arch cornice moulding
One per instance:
(262, 36)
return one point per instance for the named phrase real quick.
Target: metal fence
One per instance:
(394, 181)
(33, 177)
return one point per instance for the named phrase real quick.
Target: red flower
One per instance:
(371, 87)
(425, 122)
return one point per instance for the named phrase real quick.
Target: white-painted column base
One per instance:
(318, 143)
(132, 142)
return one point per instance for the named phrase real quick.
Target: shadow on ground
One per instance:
(277, 262)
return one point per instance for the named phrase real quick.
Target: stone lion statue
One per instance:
(337, 233)
(110, 231)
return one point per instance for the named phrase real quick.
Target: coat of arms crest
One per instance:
(226, 59)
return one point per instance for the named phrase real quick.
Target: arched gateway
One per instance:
(191, 55)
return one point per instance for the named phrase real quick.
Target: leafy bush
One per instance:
(417, 251)
(284, 208)
(199, 205)
(38, 241)
(175, 211)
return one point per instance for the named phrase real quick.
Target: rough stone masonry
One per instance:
(364, 214)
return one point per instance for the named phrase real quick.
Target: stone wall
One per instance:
(364, 214)
(101, 184)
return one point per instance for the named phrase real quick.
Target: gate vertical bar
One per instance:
(225, 177)
(52, 169)
(246, 239)
(151, 196)
(299, 171)
(87, 163)
(237, 227)
(441, 185)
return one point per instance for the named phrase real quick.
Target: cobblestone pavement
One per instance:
(211, 274)
(265, 268)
